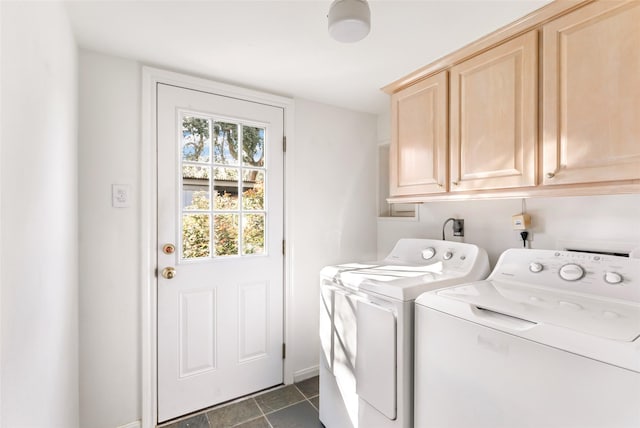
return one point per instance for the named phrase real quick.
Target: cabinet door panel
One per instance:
(418, 153)
(493, 117)
(591, 94)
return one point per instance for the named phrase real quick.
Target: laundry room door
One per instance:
(220, 241)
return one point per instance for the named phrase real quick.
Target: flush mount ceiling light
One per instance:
(349, 20)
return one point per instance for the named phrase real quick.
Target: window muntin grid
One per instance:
(223, 210)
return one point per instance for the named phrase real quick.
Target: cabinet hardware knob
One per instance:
(169, 273)
(455, 183)
(550, 175)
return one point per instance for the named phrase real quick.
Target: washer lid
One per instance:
(601, 317)
(403, 282)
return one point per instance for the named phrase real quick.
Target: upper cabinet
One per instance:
(493, 131)
(591, 94)
(546, 106)
(418, 152)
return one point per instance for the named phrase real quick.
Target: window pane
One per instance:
(252, 189)
(253, 234)
(225, 187)
(252, 146)
(196, 141)
(195, 188)
(226, 234)
(195, 236)
(225, 146)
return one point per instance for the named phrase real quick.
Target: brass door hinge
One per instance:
(284, 351)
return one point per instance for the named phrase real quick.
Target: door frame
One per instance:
(151, 77)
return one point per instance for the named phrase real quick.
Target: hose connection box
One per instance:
(521, 221)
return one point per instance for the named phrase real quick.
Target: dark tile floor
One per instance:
(291, 406)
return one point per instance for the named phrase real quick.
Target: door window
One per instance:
(222, 187)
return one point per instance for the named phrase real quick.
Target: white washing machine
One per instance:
(366, 329)
(550, 339)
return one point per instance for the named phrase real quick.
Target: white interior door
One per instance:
(220, 262)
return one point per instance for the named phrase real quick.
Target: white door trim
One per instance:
(148, 223)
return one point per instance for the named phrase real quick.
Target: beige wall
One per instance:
(109, 153)
(39, 253)
(333, 210)
(331, 218)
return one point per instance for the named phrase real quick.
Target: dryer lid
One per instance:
(595, 316)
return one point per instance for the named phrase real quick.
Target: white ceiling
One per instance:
(283, 47)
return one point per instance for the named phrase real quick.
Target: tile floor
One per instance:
(291, 406)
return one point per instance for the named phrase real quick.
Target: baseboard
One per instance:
(304, 374)
(136, 424)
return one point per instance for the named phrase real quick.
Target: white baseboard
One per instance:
(136, 424)
(304, 374)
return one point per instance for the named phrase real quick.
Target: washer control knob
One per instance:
(535, 267)
(571, 272)
(428, 253)
(612, 278)
(448, 255)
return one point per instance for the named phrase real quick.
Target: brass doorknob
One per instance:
(169, 273)
(168, 248)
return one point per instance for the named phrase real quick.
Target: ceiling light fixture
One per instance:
(349, 20)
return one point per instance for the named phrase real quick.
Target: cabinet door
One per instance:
(493, 117)
(418, 153)
(591, 94)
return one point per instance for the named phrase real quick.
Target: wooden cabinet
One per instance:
(591, 94)
(493, 130)
(418, 152)
(546, 106)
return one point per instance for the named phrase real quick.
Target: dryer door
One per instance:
(376, 358)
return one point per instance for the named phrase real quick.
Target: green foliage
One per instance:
(253, 146)
(226, 234)
(195, 132)
(253, 234)
(196, 229)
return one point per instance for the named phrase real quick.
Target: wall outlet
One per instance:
(518, 238)
(458, 227)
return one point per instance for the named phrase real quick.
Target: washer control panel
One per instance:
(456, 256)
(604, 275)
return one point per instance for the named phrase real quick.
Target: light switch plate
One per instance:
(120, 195)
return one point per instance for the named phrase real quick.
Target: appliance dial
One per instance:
(571, 272)
(448, 255)
(428, 253)
(535, 267)
(612, 278)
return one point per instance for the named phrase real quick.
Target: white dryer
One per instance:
(366, 329)
(550, 339)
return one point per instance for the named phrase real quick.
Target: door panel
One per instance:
(197, 332)
(220, 187)
(493, 117)
(253, 310)
(376, 362)
(591, 94)
(418, 152)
